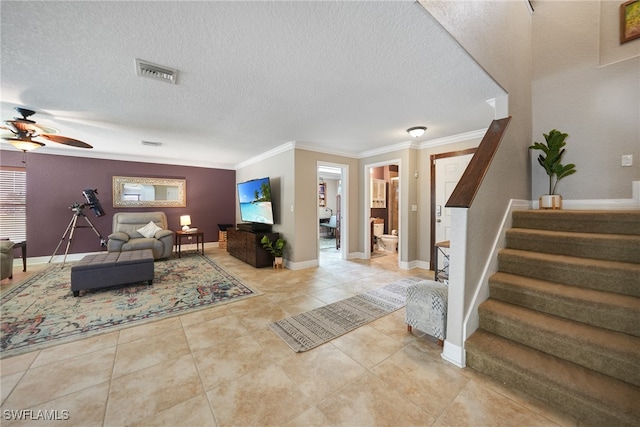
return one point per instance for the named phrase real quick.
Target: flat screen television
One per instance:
(255, 201)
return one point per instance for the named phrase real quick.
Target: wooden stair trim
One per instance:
(469, 184)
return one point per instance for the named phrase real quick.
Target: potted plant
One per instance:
(274, 248)
(551, 161)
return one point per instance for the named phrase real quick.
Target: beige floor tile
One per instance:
(368, 401)
(20, 363)
(311, 418)
(255, 320)
(149, 329)
(228, 360)
(204, 315)
(54, 380)
(522, 398)
(321, 371)
(477, 405)
(272, 344)
(83, 408)
(145, 352)
(76, 348)
(266, 397)
(300, 304)
(8, 384)
(394, 327)
(206, 334)
(192, 412)
(426, 379)
(331, 295)
(367, 346)
(146, 392)
(252, 377)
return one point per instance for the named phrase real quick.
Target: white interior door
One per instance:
(448, 173)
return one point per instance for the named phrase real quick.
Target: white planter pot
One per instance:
(550, 201)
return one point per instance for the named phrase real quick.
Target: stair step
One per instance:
(608, 352)
(612, 247)
(610, 276)
(581, 221)
(607, 310)
(589, 396)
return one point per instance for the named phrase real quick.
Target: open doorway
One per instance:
(332, 224)
(383, 210)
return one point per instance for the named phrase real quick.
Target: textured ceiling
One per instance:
(340, 77)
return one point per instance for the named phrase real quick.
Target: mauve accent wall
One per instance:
(54, 183)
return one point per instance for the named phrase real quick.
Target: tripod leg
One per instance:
(102, 241)
(63, 236)
(73, 228)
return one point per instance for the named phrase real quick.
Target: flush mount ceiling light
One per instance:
(417, 131)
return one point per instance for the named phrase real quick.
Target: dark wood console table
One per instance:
(246, 246)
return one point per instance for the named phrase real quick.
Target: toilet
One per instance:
(386, 242)
(378, 231)
(390, 241)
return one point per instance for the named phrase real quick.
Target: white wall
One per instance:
(279, 168)
(497, 34)
(598, 106)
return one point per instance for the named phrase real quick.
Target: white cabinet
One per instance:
(378, 193)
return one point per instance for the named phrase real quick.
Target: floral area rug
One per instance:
(42, 311)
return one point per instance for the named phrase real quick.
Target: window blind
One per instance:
(13, 203)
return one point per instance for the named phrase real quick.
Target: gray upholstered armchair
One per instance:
(141, 230)
(6, 259)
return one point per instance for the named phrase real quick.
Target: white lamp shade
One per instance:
(417, 131)
(185, 220)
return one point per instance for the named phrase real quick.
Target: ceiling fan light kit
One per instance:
(25, 129)
(24, 144)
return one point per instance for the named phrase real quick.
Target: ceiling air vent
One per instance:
(155, 71)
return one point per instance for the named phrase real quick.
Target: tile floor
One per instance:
(224, 367)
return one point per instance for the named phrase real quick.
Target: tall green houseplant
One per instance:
(551, 159)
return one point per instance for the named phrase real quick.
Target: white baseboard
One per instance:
(454, 354)
(290, 265)
(613, 204)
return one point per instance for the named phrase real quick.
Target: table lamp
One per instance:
(185, 222)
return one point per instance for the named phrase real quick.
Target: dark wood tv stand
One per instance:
(245, 245)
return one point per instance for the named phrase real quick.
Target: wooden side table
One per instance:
(199, 235)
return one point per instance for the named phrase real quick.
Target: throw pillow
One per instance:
(149, 230)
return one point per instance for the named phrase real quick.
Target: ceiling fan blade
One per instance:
(66, 141)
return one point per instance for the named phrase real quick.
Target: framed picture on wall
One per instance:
(629, 21)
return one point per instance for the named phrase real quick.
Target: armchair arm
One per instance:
(119, 235)
(163, 233)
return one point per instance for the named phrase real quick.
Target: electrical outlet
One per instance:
(627, 160)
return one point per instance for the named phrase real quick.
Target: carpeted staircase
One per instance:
(563, 319)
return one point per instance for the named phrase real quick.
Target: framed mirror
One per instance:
(134, 192)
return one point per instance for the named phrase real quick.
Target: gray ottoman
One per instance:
(111, 269)
(426, 308)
